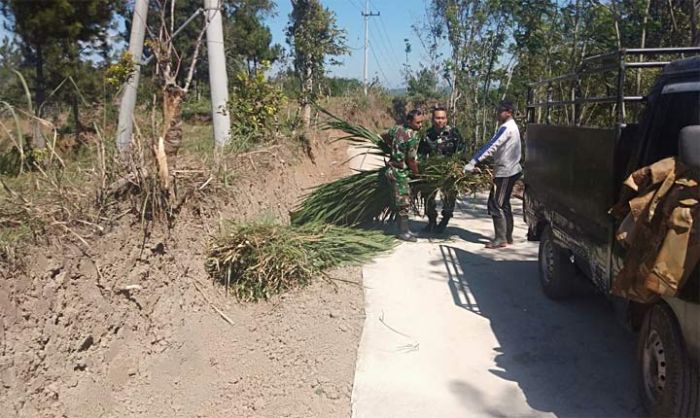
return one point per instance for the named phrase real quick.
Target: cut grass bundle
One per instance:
(356, 199)
(261, 259)
(447, 174)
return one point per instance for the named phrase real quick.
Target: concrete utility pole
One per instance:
(128, 102)
(217, 73)
(366, 15)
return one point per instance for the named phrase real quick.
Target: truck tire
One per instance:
(668, 379)
(557, 273)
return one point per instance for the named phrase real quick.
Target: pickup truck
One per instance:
(584, 137)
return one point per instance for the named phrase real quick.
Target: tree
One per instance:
(314, 38)
(249, 41)
(61, 30)
(422, 86)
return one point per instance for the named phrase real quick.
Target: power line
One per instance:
(366, 14)
(392, 65)
(379, 66)
(387, 44)
(356, 5)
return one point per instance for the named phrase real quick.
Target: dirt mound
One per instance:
(132, 326)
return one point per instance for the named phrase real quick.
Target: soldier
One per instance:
(504, 147)
(441, 141)
(403, 140)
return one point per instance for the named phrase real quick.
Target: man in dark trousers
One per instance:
(441, 141)
(504, 147)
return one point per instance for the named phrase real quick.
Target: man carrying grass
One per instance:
(441, 141)
(504, 147)
(403, 141)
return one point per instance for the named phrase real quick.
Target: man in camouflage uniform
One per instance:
(441, 141)
(403, 141)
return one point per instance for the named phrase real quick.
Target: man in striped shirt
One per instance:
(504, 148)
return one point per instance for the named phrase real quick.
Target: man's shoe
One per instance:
(404, 233)
(407, 236)
(493, 245)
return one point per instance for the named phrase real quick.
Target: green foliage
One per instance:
(249, 42)
(423, 87)
(55, 35)
(261, 259)
(254, 105)
(119, 73)
(314, 37)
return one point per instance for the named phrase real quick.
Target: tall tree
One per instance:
(249, 41)
(315, 39)
(63, 29)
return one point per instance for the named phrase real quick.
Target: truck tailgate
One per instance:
(571, 170)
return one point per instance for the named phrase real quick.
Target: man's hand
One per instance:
(470, 167)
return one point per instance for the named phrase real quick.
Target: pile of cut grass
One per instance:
(261, 259)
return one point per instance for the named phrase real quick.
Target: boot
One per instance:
(404, 233)
(443, 223)
(432, 223)
(509, 229)
(500, 227)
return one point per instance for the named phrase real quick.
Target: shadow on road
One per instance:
(571, 359)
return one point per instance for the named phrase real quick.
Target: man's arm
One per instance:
(492, 146)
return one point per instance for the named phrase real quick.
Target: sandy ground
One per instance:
(121, 329)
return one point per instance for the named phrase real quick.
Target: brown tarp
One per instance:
(658, 206)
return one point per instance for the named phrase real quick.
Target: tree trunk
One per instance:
(306, 90)
(694, 30)
(40, 95)
(643, 43)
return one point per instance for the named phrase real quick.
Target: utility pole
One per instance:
(366, 15)
(128, 102)
(218, 80)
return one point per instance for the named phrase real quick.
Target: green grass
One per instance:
(260, 259)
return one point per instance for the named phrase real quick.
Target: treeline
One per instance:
(484, 50)
(70, 53)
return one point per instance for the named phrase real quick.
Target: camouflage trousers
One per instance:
(401, 189)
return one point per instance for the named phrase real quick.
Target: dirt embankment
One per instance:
(133, 327)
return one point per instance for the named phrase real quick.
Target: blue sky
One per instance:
(386, 33)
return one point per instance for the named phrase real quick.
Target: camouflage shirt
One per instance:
(443, 142)
(404, 145)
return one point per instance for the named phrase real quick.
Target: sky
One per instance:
(386, 34)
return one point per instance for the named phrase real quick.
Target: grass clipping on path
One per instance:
(258, 260)
(366, 196)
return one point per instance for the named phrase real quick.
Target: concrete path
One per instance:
(455, 330)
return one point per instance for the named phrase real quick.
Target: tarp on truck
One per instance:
(660, 210)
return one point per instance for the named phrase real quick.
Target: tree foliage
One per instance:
(315, 40)
(498, 46)
(248, 40)
(56, 35)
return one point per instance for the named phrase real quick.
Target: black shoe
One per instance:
(440, 228)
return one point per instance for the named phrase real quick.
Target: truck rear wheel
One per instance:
(557, 273)
(668, 379)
